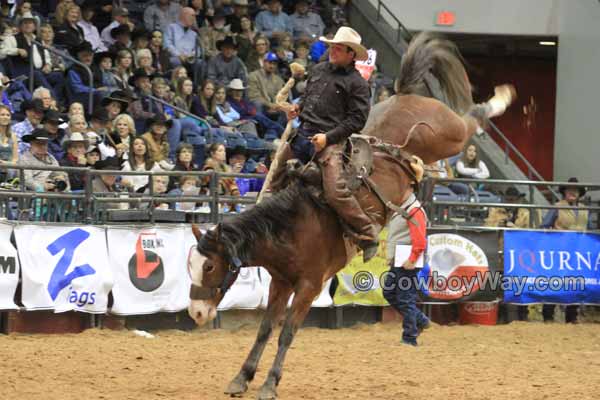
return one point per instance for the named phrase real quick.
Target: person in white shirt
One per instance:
(469, 166)
(120, 17)
(90, 32)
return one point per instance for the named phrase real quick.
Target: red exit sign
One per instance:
(445, 18)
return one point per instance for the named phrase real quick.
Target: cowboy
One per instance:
(75, 146)
(37, 155)
(575, 220)
(335, 105)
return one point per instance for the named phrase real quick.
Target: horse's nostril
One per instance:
(199, 315)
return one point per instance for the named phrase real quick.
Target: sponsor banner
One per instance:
(360, 283)
(246, 292)
(552, 267)
(150, 271)
(9, 269)
(460, 267)
(323, 300)
(64, 268)
(367, 67)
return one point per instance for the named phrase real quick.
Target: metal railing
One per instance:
(87, 206)
(470, 202)
(62, 54)
(402, 32)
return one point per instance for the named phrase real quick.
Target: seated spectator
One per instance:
(70, 35)
(184, 95)
(273, 22)
(123, 69)
(245, 38)
(287, 45)
(158, 145)
(46, 34)
(255, 58)
(160, 14)
(569, 220)
(302, 54)
(76, 147)
(181, 41)
(217, 162)
(122, 39)
(240, 163)
(226, 66)
(200, 8)
(159, 187)
(187, 186)
(78, 80)
(77, 123)
(92, 156)
(24, 10)
(98, 134)
(122, 136)
(60, 13)
(512, 217)
(228, 116)
(177, 74)
(34, 112)
(469, 166)
(90, 31)
(9, 148)
(234, 20)
(306, 23)
(204, 105)
(270, 129)
(108, 79)
(140, 39)
(139, 160)
(120, 17)
(106, 183)
(160, 56)
(45, 96)
(339, 14)
(143, 59)
(56, 136)
(37, 155)
(263, 86)
(212, 33)
(115, 104)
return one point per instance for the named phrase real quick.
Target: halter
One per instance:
(207, 293)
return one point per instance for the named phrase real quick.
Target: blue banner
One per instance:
(551, 267)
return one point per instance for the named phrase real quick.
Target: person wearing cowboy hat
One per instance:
(78, 80)
(104, 62)
(106, 183)
(240, 9)
(122, 36)
(273, 22)
(120, 17)
(512, 217)
(37, 156)
(226, 65)
(249, 112)
(34, 112)
(156, 136)
(571, 220)
(160, 14)
(75, 147)
(334, 105)
(90, 31)
(51, 122)
(115, 103)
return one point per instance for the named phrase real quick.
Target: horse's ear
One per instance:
(196, 231)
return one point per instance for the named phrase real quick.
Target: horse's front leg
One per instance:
(279, 293)
(303, 299)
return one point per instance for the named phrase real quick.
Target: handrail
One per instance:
(68, 57)
(400, 26)
(509, 145)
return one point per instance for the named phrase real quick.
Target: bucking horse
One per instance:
(299, 239)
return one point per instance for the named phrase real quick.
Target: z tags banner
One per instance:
(9, 269)
(150, 271)
(64, 268)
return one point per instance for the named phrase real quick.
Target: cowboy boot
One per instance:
(341, 199)
(279, 167)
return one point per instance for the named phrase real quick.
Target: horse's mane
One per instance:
(271, 220)
(430, 53)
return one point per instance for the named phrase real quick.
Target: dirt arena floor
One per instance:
(519, 360)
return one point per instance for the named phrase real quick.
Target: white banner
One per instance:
(246, 292)
(150, 270)
(323, 300)
(64, 268)
(9, 269)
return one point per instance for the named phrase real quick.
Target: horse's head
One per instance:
(213, 267)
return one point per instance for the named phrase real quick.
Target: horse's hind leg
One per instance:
(303, 299)
(279, 293)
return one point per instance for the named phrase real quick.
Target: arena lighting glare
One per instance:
(548, 43)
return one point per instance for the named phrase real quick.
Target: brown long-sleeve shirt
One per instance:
(336, 101)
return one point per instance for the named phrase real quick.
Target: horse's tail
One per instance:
(431, 54)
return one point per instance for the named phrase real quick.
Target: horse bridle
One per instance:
(207, 293)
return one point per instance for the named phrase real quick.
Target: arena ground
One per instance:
(519, 360)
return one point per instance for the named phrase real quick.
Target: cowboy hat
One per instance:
(116, 96)
(348, 37)
(139, 73)
(36, 134)
(109, 163)
(563, 189)
(98, 57)
(228, 41)
(33, 104)
(513, 193)
(52, 116)
(236, 84)
(159, 119)
(120, 30)
(83, 47)
(75, 137)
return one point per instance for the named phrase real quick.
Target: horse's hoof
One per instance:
(237, 387)
(267, 393)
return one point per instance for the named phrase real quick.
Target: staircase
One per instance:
(382, 30)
